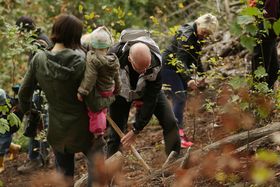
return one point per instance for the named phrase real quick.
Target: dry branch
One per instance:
(237, 3)
(170, 158)
(236, 139)
(255, 144)
(227, 9)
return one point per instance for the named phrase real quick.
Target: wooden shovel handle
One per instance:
(134, 151)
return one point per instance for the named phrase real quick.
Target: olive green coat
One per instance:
(101, 74)
(59, 75)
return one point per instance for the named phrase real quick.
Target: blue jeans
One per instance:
(177, 93)
(5, 142)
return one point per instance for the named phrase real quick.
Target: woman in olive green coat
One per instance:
(59, 73)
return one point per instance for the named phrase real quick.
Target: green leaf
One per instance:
(81, 9)
(4, 126)
(262, 87)
(248, 42)
(268, 156)
(277, 97)
(276, 27)
(237, 82)
(154, 20)
(119, 12)
(262, 112)
(13, 119)
(221, 176)
(267, 25)
(235, 28)
(244, 105)
(183, 38)
(121, 22)
(172, 30)
(209, 105)
(251, 11)
(261, 175)
(173, 61)
(244, 20)
(181, 5)
(252, 29)
(260, 72)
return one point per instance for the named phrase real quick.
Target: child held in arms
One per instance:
(101, 79)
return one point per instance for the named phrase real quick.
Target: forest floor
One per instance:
(149, 144)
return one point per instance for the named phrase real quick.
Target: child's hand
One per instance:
(80, 97)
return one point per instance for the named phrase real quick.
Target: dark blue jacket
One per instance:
(185, 47)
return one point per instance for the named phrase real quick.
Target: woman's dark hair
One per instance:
(25, 23)
(67, 29)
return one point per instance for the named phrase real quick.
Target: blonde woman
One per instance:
(185, 48)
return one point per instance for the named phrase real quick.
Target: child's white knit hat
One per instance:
(101, 38)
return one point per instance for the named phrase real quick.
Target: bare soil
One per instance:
(150, 146)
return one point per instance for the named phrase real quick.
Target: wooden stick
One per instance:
(134, 151)
(228, 13)
(185, 161)
(170, 158)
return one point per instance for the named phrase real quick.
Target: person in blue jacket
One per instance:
(178, 59)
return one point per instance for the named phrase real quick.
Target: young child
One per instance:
(9, 124)
(101, 80)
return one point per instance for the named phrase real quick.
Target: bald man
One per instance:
(140, 64)
(140, 57)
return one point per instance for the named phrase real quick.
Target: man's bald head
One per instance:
(140, 57)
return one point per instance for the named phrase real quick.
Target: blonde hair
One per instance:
(208, 22)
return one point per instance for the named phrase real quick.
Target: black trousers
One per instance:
(265, 54)
(65, 163)
(119, 112)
